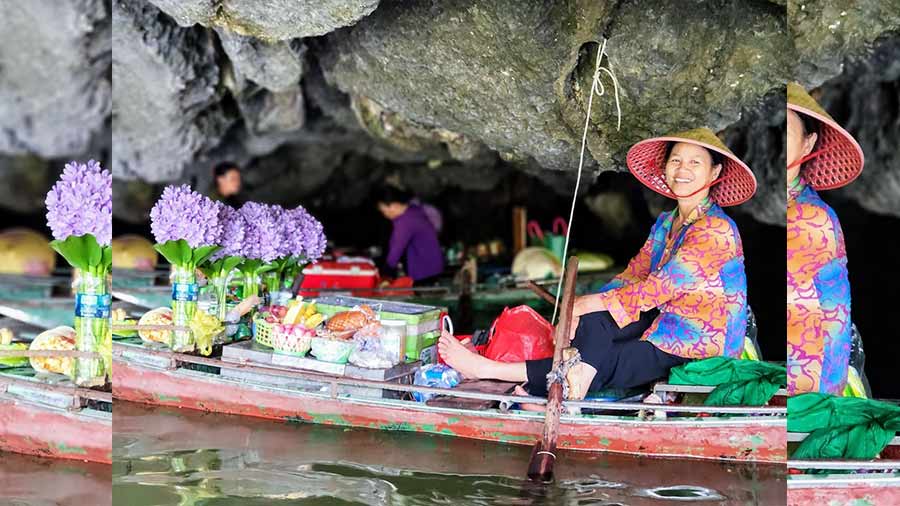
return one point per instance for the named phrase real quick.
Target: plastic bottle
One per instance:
(435, 375)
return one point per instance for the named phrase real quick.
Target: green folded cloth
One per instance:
(841, 427)
(738, 382)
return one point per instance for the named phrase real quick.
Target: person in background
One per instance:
(432, 213)
(413, 238)
(227, 179)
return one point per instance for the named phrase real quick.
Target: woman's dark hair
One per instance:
(717, 158)
(222, 168)
(810, 124)
(387, 194)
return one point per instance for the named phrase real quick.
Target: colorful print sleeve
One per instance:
(818, 312)
(706, 247)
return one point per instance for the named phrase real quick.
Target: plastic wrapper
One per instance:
(205, 327)
(370, 351)
(520, 334)
(437, 376)
(158, 316)
(332, 350)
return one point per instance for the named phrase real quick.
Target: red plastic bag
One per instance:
(520, 334)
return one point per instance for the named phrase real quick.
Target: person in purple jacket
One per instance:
(413, 238)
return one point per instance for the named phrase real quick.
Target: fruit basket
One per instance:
(293, 340)
(262, 331)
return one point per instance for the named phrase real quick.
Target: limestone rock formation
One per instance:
(54, 76)
(310, 94)
(167, 98)
(269, 19)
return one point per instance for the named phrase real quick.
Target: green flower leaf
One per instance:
(229, 263)
(82, 251)
(251, 266)
(208, 270)
(202, 253)
(176, 252)
(106, 262)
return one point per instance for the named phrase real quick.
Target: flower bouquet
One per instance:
(261, 244)
(79, 214)
(301, 240)
(188, 230)
(220, 265)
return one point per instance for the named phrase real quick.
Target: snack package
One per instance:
(61, 339)
(353, 319)
(158, 316)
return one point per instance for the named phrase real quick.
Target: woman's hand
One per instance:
(588, 304)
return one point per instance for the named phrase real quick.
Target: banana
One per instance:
(310, 309)
(6, 336)
(314, 320)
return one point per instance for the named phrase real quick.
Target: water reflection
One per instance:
(165, 456)
(34, 481)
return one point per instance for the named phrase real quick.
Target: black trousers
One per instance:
(621, 359)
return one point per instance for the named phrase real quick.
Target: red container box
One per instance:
(350, 276)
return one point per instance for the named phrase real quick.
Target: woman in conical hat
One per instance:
(682, 297)
(820, 156)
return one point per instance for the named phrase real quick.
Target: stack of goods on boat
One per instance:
(231, 266)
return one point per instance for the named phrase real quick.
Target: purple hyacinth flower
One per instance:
(261, 233)
(181, 213)
(233, 230)
(81, 203)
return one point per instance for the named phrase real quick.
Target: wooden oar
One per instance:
(543, 456)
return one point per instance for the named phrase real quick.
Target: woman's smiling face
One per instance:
(799, 143)
(689, 168)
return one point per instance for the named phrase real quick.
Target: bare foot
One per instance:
(527, 406)
(579, 377)
(465, 361)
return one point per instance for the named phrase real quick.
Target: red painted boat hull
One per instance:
(851, 492)
(34, 429)
(761, 440)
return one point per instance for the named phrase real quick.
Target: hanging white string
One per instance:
(600, 90)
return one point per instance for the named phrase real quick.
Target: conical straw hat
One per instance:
(841, 159)
(646, 161)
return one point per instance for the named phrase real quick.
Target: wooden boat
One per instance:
(845, 482)
(160, 377)
(47, 415)
(54, 420)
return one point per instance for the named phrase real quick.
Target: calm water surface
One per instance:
(33, 481)
(173, 457)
